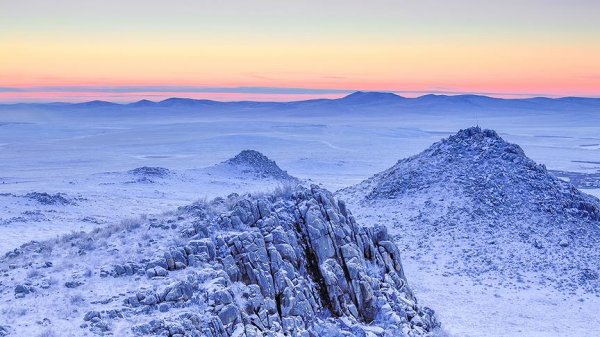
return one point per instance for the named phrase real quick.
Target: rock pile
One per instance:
(149, 171)
(49, 199)
(489, 170)
(257, 164)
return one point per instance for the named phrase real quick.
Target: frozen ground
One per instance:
(86, 154)
(471, 308)
(42, 209)
(476, 217)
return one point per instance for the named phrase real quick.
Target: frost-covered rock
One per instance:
(156, 271)
(4, 330)
(285, 264)
(91, 314)
(21, 290)
(495, 213)
(255, 163)
(49, 199)
(292, 263)
(149, 171)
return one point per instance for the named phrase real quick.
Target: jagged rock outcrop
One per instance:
(493, 211)
(291, 263)
(296, 267)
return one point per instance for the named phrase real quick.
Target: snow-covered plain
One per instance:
(86, 152)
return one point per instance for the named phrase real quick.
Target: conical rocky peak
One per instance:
(254, 162)
(482, 143)
(251, 157)
(476, 185)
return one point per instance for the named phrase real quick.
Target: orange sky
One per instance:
(73, 51)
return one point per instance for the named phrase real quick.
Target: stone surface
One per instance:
(494, 214)
(296, 265)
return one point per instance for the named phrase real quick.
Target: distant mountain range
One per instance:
(358, 105)
(359, 98)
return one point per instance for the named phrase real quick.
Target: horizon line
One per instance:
(132, 94)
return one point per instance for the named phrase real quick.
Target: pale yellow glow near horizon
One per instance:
(555, 51)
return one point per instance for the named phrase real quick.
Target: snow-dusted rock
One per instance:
(492, 212)
(21, 290)
(147, 171)
(49, 199)
(256, 164)
(294, 263)
(156, 271)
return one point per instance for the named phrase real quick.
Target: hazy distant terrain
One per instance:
(71, 148)
(71, 167)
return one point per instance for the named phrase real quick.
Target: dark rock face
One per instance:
(4, 330)
(254, 162)
(297, 266)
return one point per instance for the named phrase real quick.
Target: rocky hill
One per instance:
(292, 263)
(257, 165)
(490, 211)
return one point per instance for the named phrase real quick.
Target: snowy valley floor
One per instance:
(470, 308)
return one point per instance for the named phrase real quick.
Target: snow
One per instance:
(473, 310)
(109, 197)
(86, 153)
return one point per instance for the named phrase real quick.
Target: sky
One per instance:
(126, 50)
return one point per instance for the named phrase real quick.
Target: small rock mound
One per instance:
(149, 171)
(49, 199)
(257, 164)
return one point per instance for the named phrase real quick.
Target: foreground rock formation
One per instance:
(294, 263)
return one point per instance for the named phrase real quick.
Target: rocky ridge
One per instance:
(294, 263)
